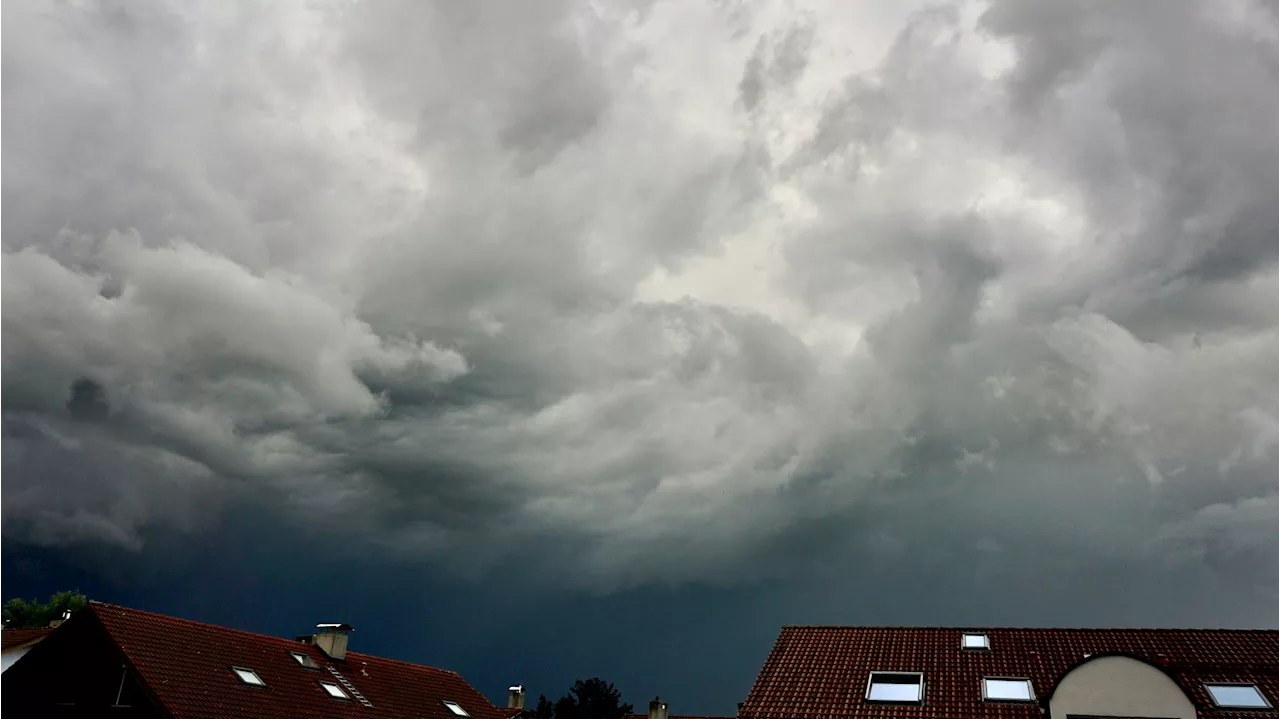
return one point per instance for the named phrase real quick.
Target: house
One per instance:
(816, 672)
(14, 644)
(113, 661)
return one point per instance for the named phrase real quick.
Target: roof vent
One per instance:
(332, 639)
(657, 709)
(515, 697)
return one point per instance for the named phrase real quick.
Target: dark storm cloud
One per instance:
(88, 401)
(672, 293)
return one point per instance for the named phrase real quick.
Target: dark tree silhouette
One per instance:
(590, 699)
(544, 710)
(23, 614)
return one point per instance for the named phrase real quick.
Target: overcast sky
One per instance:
(660, 321)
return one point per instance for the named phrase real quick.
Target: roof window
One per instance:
(304, 660)
(249, 676)
(456, 709)
(1237, 696)
(1003, 689)
(975, 641)
(334, 690)
(896, 687)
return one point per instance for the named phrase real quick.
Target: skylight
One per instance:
(248, 676)
(304, 659)
(999, 689)
(1237, 696)
(334, 690)
(975, 641)
(456, 709)
(899, 687)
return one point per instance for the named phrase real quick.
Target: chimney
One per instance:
(515, 697)
(332, 639)
(657, 709)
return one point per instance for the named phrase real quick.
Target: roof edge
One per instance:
(90, 613)
(974, 628)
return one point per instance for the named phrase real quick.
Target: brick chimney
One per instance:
(332, 639)
(657, 709)
(515, 697)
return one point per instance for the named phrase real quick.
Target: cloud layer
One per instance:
(654, 293)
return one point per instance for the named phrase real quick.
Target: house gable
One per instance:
(1118, 684)
(77, 671)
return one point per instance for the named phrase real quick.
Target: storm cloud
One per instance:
(654, 293)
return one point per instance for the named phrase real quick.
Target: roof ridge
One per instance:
(411, 664)
(184, 620)
(966, 627)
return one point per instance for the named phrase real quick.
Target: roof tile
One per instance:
(819, 672)
(13, 638)
(187, 666)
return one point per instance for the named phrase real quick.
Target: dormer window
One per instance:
(248, 676)
(1237, 696)
(975, 641)
(896, 687)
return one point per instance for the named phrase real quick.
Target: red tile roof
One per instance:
(186, 666)
(820, 672)
(14, 638)
(678, 716)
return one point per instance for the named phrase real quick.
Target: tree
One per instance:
(545, 709)
(590, 699)
(23, 614)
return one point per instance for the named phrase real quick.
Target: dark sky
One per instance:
(548, 340)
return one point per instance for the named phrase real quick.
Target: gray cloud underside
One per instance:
(673, 292)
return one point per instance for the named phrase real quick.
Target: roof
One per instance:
(16, 638)
(678, 716)
(186, 666)
(815, 672)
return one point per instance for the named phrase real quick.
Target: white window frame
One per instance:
(1031, 690)
(1265, 703)
(871, 681)
(455, 708)
(328, 688)
(257, 680)
(964, 644)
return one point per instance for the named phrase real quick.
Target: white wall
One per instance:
(1119, 687)
(8, 658)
